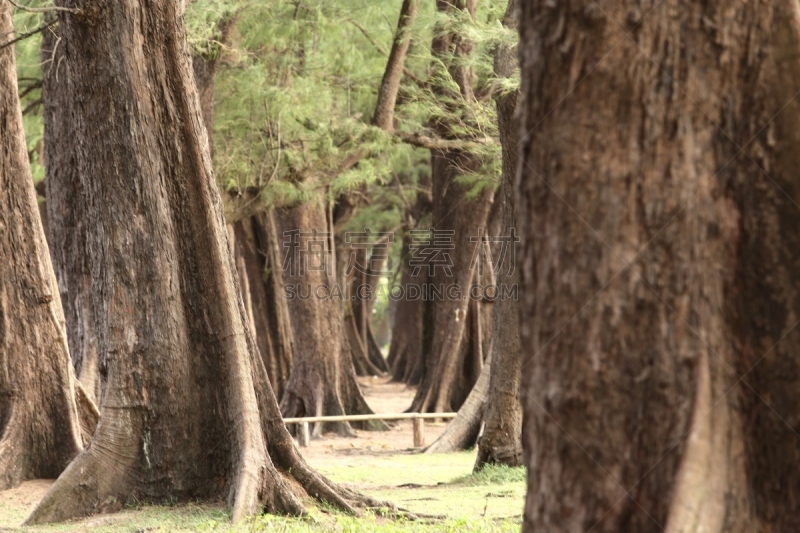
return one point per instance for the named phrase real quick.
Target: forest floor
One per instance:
(440, 488)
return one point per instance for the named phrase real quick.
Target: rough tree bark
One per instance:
(40, 430)
(660, 290)
(188, 410)
(501, 438)
(259, 248)
(67, 229)
(449, 376)
(410, 340)
(323, 380)
(255, 246)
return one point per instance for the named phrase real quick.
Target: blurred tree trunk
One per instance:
(188, 411)
(501, 439)
(363, 285)
(449, 373)
(462, 432)
(259, 247)
(40, 428)
(661, 373)
(409, 346)
(323, 380)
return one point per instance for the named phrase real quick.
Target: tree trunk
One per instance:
(323, 380)
(258, 245)
(463, 431)
(410, 339)
(65, 210)
(367, 357)
(188, 410)
(390, 84)
(501, 439)
(40, 430)
(448, 375)
(450, 371)
(659, 312)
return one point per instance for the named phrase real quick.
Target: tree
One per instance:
(40, 424)
(323, 380)
(451, 367)
(410, 339)
(501, 437)
(657, 209)
(334, 345)
(188, 410)
(463, 431)
(253, 239)
(66, 227)
(259, 249)
(492, 414)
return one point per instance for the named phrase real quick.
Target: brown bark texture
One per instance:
(501, 439)
(188, 411)
(67, 229)
(259, 246)
(657, 192)
(40, 431)
(322, 381)
(410, 339)
(450, 368)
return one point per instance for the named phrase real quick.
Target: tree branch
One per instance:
(381, 50)
(390, 84)
(435, 143)
(28, 34)
(50, 9)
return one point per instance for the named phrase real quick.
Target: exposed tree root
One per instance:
(462, 432)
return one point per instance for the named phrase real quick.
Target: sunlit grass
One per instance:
(439, 489)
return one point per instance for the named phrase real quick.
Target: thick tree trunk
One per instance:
(188, 410)
(323, 380)
(451, 369)
(659, 281)
(501, 439)
(40, 430)
(65, 211)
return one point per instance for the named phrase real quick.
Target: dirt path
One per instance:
(384, 397)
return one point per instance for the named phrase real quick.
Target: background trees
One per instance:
(187, 409)
(316, 116)
(40, 427)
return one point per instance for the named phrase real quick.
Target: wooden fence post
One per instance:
(304, 436)
(419, 432)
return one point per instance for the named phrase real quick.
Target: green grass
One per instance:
(493, 475)
(440, 488)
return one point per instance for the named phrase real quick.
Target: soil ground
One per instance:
(438, 487)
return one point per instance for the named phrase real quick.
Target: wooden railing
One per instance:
(303, 436)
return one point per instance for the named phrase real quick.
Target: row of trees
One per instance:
(654, 196)
(174, 315)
